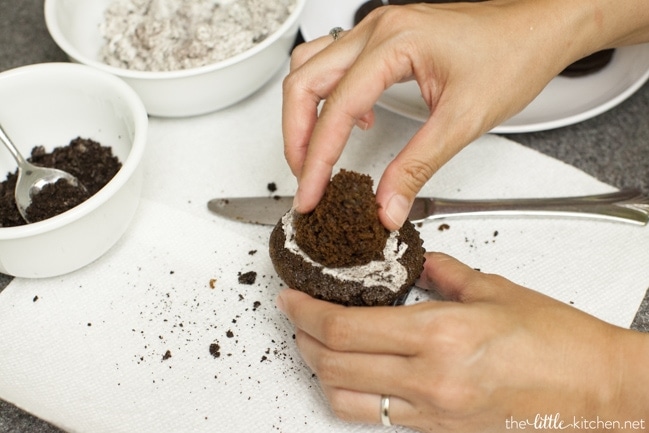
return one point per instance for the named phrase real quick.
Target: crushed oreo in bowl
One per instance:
(90, 162)
(54, 199)
(171, 35)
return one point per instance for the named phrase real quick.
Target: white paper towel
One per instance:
(86, 351)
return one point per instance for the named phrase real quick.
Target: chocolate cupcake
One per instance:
(340, 252)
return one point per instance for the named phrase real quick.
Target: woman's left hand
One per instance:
(495, 351)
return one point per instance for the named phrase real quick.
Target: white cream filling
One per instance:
(388, 273)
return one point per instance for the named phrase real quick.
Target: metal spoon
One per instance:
(32, 178)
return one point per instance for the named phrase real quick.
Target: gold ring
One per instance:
(385, 410)
(335, 32)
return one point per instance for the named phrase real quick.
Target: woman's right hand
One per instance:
(476, 65)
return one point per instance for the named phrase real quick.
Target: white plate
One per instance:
(564, 101)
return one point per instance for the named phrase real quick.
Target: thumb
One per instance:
(404, 177)
(454, 280)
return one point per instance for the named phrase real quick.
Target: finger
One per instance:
(438, 140)
(294, 127)
(316, 67)
(366, 121)
(351, 99)
(356, 371)
(303, 52)
(385, 330)
(353, 406)
(454, 280)
(313, 176)
(297, 126)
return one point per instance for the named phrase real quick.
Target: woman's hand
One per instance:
(476, 65)
(495, 352)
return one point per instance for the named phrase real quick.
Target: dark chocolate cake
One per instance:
(341, 252)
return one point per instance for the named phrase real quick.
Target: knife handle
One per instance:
(627, 205)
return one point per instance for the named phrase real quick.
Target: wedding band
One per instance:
(385, 410)
(335, 32)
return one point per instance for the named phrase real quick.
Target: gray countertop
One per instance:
(613, 147)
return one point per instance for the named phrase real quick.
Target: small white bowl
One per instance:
(74, 26)
(50, 104)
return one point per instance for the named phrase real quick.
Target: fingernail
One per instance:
(397, 209)
(362, 124)
(296, 201)
(280, 303)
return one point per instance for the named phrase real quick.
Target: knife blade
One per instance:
(253, 210)
(627, 205)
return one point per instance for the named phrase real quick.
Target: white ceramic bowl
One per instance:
(74, 26)
(50, 104)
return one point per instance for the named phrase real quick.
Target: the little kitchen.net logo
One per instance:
(557, 422)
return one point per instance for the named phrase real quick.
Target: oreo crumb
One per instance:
(272, 187)
(443, 227)
(215, 350)
(248, 278)
(167, 355)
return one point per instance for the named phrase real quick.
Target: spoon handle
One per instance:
(12, 149)
(627, 205)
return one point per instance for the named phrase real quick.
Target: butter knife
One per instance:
(627, 205)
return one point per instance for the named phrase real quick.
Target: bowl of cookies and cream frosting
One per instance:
(182, 57)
